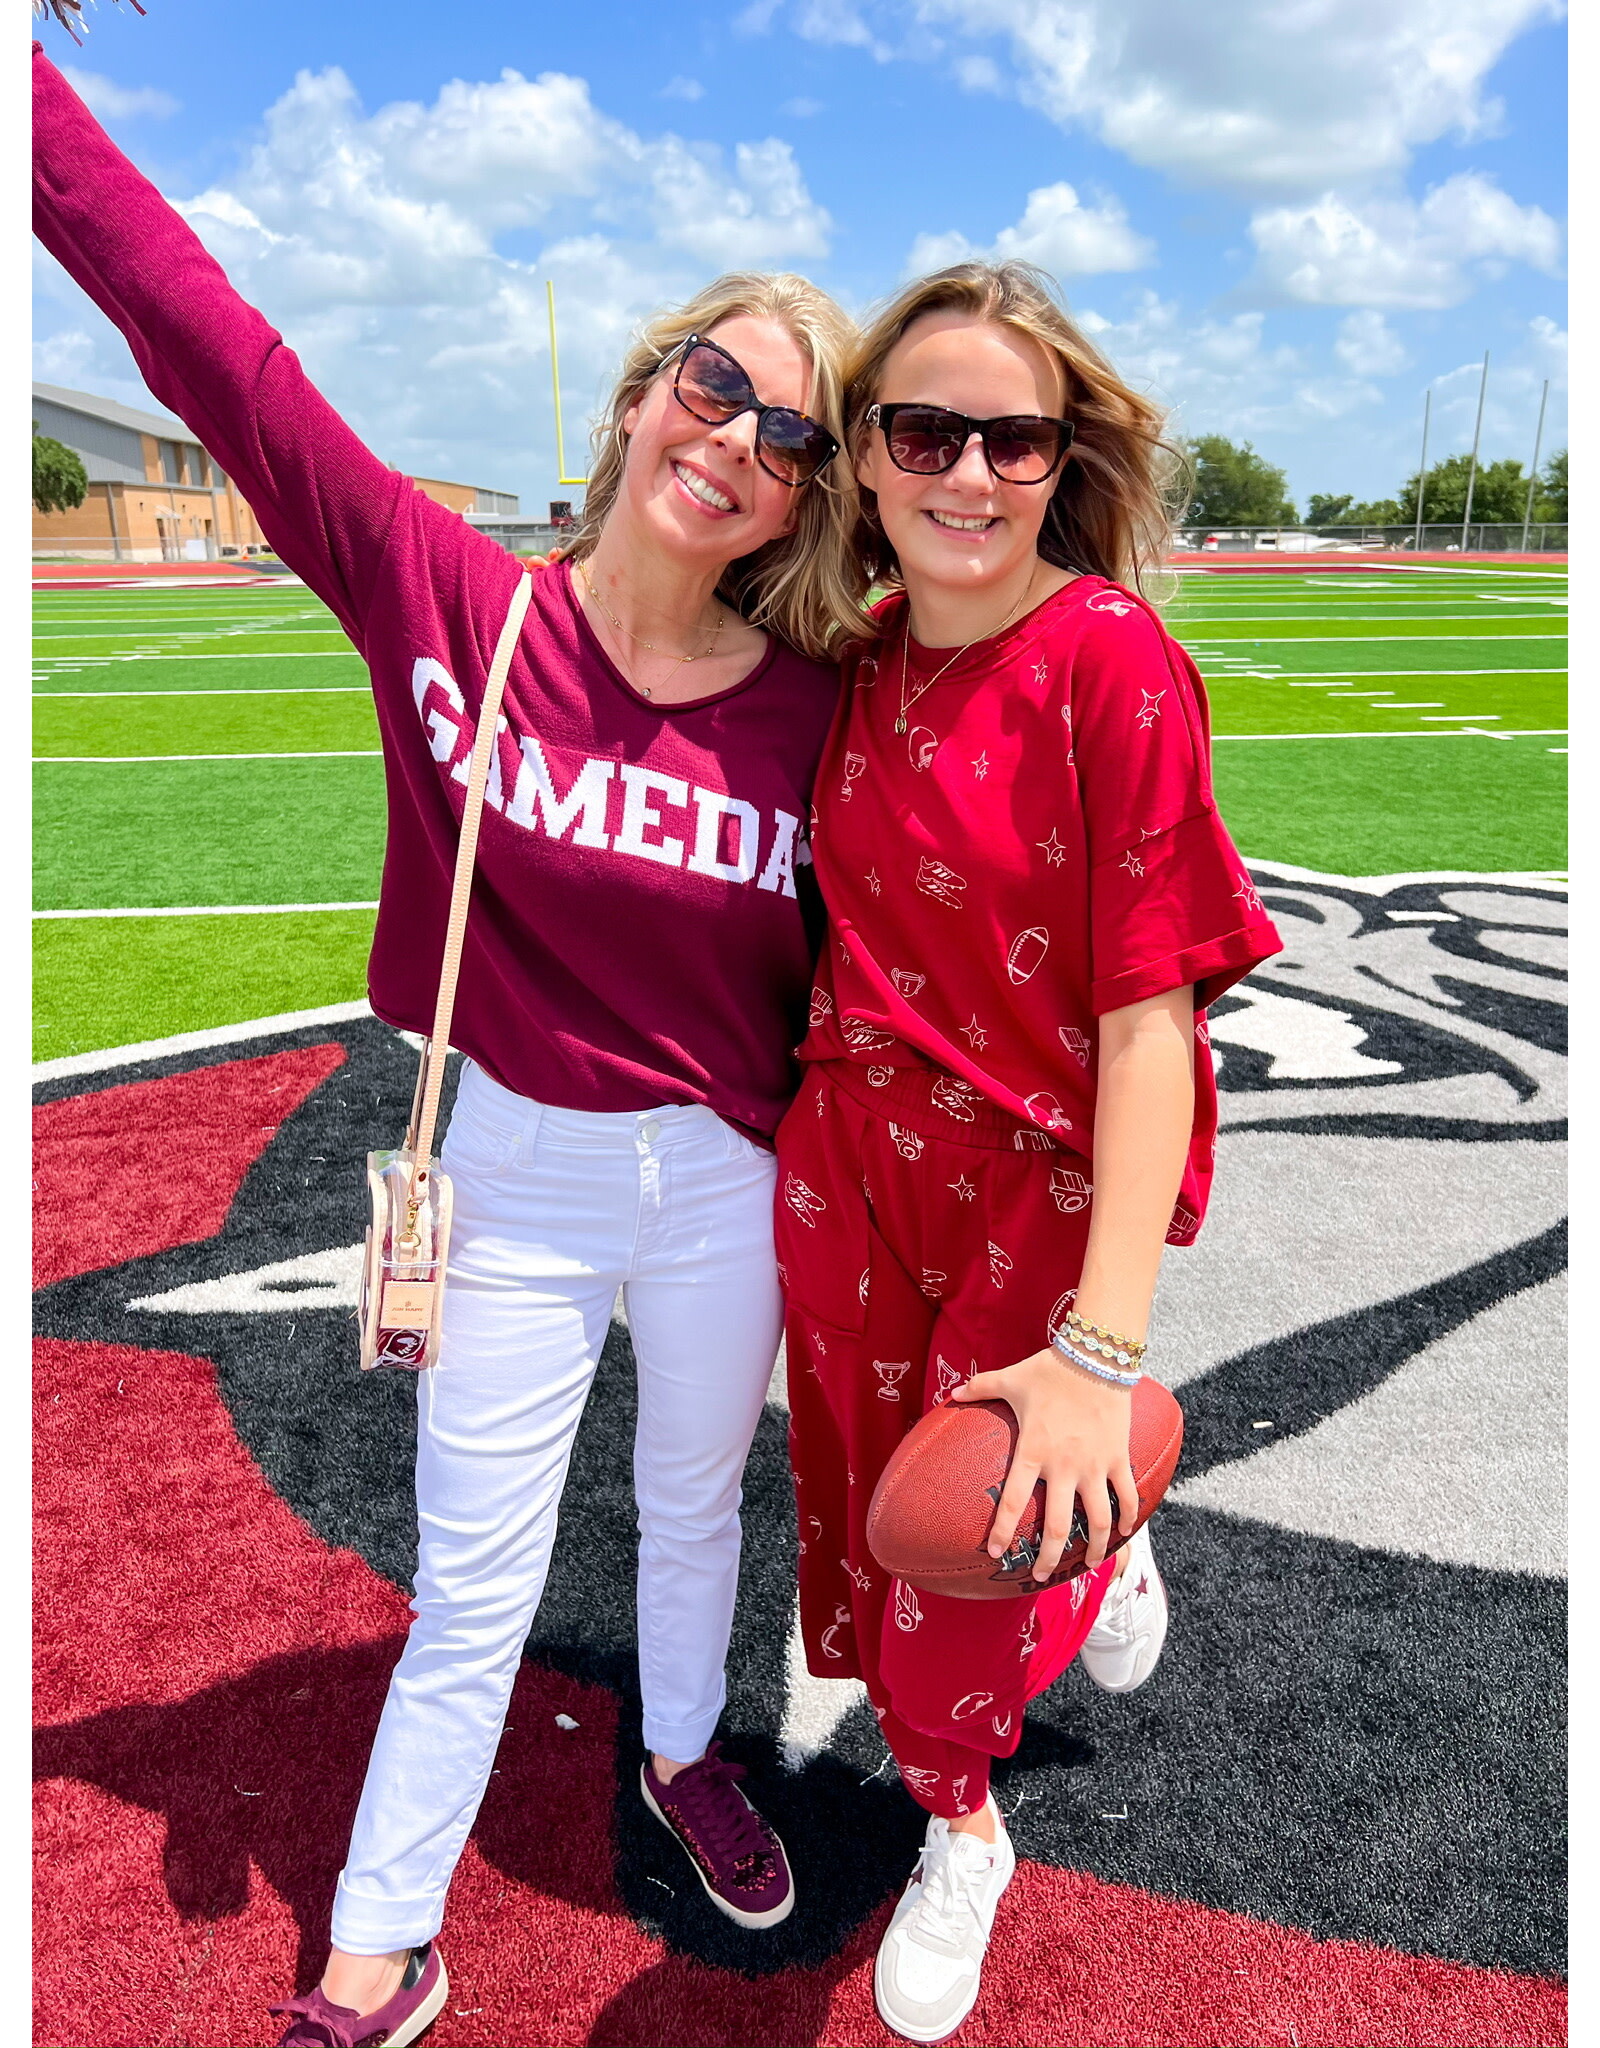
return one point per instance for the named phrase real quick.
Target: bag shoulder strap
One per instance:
(430, 1078)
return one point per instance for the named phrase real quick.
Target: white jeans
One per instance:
(554, 1210)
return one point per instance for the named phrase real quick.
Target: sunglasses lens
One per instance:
(794, 447)
(925, 439)
(1024, 449)
(712, 385)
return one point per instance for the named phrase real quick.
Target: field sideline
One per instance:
(215, 751)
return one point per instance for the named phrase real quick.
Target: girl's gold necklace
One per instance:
(638, 640)
(905, 654)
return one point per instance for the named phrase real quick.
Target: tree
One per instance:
(1551, 500)
(1499, 493)
(1325, 511)
(60, 481)
(1235, 486)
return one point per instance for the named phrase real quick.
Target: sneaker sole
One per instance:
(908, 2032)
(425, 2014)
(768, 1919)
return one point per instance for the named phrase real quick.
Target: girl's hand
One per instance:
(1072, 1434)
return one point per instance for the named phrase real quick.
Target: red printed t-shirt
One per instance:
(1039, 847)
(636, 937)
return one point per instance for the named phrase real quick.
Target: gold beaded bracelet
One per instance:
(1125, 1351)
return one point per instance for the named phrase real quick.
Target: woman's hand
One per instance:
(1072, 1434)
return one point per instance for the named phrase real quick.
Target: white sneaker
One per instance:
(1122, 1649)
(930, 1962)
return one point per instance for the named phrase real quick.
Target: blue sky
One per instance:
(1286, 222)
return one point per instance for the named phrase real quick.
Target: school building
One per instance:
(155, 495)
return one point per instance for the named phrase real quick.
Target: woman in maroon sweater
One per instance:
(636, 972)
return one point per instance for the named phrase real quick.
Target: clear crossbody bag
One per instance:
(408, 1238)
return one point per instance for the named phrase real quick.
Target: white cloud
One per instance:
(1368, 346)
(1401, 252)
(373, 241)
(978, 74)
(683, 89)
(1056, 231)
(801, 109)
(1252, 94)
(113, 102)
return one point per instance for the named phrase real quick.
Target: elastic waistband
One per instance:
(935, 1104)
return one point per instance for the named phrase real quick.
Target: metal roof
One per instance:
(161, 424)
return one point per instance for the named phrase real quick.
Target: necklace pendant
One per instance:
(900, 723)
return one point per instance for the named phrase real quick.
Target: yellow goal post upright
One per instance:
(555, 388)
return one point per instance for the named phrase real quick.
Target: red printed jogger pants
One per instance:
(923, 1236)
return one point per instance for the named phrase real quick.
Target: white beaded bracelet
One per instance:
(1109, 1373)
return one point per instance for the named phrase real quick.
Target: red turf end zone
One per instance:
(209, 1675)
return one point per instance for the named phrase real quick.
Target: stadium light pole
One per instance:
(1472, 472)
(1533, 473)
(555, 388)
(1422, 466)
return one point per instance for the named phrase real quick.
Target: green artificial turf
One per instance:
(204, 725)
(119, 981)
(1383, 807)
(137, 834)
(113, 834)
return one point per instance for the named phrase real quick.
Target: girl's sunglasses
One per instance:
(1020, 447)
(713, 386)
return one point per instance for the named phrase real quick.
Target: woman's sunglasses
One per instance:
(926, 440)
(713, 386)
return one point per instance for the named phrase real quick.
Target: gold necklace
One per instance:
(905, 654)
(621, 630)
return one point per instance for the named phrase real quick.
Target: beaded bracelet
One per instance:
(1109, 1373)
(1123, 1350)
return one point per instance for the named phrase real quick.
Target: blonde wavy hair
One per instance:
(808, 586)
(1114, 506)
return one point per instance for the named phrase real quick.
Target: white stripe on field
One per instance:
(211, 910)
(123, 760)
(1350, 639)
(1521, 733)
(197, 1041)
(1321, 675)
(363, 690)
(227, 654)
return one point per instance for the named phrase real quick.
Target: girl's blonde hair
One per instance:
(1114, 503)
(808, 585)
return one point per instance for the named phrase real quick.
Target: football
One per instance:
(935, 1502)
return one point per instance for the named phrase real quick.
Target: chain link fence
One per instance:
(1488, 539)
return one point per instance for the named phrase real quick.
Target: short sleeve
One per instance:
(1170, 899)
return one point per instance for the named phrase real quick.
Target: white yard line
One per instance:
(123, 760)
(197, 1041)
(210, 910)
(284, 654)
(1521, 733)
(267, 690)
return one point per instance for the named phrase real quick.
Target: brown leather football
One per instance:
(935, 1503)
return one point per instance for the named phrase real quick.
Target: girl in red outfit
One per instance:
(1031, 900)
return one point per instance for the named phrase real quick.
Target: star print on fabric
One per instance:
(1246, 894)
(1143, 1585)
(1150, 709)
(1054, 850)
(980, 767)
(963, 1189)
(1133, 864)
(1041, 674)
(873, 882)
(975, 1034)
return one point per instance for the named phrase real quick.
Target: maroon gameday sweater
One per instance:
(636, 936)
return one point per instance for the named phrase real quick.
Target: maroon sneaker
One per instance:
(736, 1855)
(315, 2022)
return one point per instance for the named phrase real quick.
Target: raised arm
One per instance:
(324, 500)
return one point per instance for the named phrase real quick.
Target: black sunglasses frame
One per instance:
(883, 417)
(763, 413)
